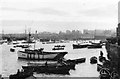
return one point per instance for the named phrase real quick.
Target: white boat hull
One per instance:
(39, 56)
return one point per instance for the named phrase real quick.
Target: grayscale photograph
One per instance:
(43, 39)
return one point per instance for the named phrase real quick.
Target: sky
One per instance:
(57, 15)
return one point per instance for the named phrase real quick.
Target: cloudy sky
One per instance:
(57, 15)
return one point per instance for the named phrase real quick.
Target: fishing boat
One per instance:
(84, 45)
(21, 74)
(40, 54)
(29, 39)
(95, 46)
(22, 46)
(58, 48)
(48, 68)
(76, 61)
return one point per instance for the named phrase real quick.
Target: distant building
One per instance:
(87, 36)
(88, 31)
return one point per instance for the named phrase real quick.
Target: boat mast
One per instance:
(35, 38)
(25, 32)
(29, 36)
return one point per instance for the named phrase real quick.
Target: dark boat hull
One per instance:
(12, 50)
(77, 61)
(58, 49)
(48, 69)
(93, 60)
(94, 46)
(22, 75)
(22, 46)
(75, 46)
(28, 42)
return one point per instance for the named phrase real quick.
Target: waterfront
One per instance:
(10, 63)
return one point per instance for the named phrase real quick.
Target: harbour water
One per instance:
(10, 62)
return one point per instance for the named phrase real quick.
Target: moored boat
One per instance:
(58, 48)
(54, 68)
(76, 61)
(95, 46)
(84, 45)
(21, 74)
(22, 46)
(93, 60)
(12, 49)
(40, 54)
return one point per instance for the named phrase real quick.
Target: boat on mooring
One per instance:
(22, 46)
(58, 48)
(48, 68)
(82, 45)
(95, 46)
(40, 54)
(23, 74)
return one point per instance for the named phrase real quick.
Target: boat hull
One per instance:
(77, 46)
(48, 69)
(95, 46)
(41, 56)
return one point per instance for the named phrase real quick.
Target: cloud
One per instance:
(44, 11)
(105, 11)
(11, 9)
(49, 11)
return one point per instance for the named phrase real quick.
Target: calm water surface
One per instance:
(10, 63)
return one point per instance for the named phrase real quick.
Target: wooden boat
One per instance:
(22, 46)
(55, 68)
(28, 42)
(93, 60)
(58, 48)
(84, 45)
(70, 64)
(21, 74)
(12, 50)
(95, 46)
(40, 54)
(77, 61)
